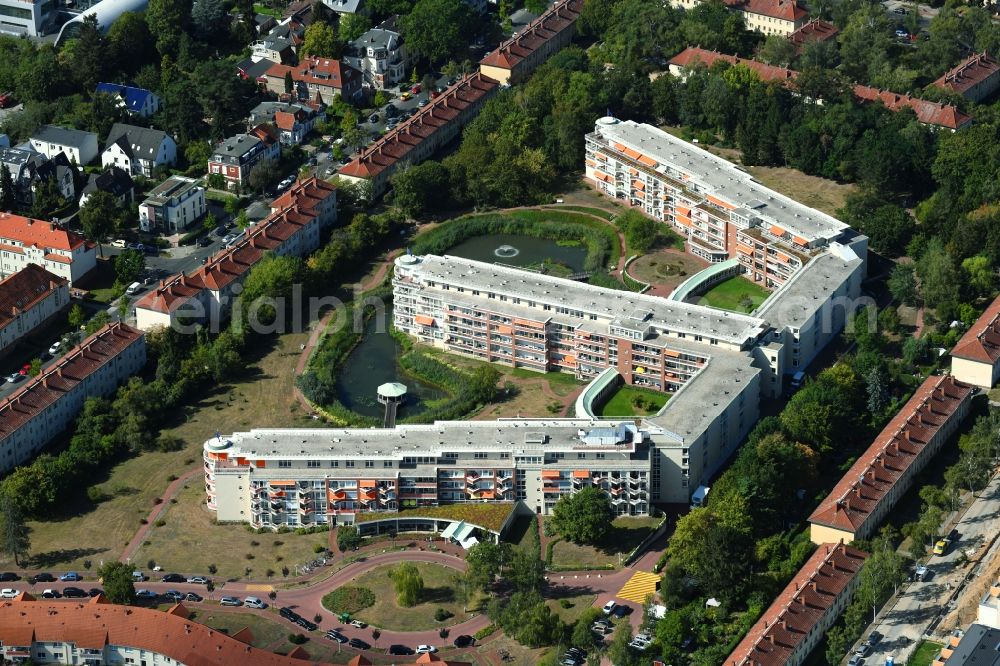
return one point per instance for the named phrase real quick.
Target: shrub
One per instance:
(297, 639)
(565, 603)
(485, 632)
(441, 615)
(160, 522)
(319, 548)
(254, 543)
(143, 521)
(278, 543)
(96, 495)
(249, 556)
(348, 599)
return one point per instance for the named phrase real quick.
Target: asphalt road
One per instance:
(904, 625)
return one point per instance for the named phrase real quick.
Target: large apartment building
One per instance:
(770, 17)
(517, 57)
(24, 241)
(41, 409)
(719, 208)
(271, 478)
(975, 359)
(29, 299)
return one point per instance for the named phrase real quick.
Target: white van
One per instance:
(133, 289)
(254, 602)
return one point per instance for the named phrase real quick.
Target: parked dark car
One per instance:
(8, 576)
(359, 644)
(621, 611)
(287, 613)
(43, 578)
(400, 649)
(335, 635)
(174, 596)
(174, 578)
(74, 593)
(94, 591)
(464, 641)
(306, 624)
(193, 596)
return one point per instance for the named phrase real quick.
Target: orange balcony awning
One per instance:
(603, 176)
(506, 330)
(550, 474)
(634, 154)
(648, 161)
(671, 352)
(799, 240)
(720, 203)
(633, 171)
(281, 483)
(744, 250)
(591, 163)
(335, 495)
(424, 320)
(487, 494)
(638, 184)
(367, 483)
(776, 230)
(581, 474)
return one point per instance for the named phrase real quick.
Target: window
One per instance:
(369, 463)
(334, 463)
(348, 463)
(284, 463)
(312, 463)
(386, 463)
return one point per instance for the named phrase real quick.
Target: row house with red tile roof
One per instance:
(29, 299)
(419, 137)
(207, 295)
(326, 77)
(99, 632)
(975, 359)
(816, 30)
(770, 17)
(801, 615)
(24, 240)
(975, 78)
(41, 409)
(520, 55)
(883, 473)
(236, 157)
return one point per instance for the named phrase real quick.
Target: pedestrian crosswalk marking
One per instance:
(639, 586)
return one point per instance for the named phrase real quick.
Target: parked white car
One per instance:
(8, 593)
(422, 649)
(254, 602)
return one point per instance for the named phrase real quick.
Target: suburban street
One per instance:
(906, 622)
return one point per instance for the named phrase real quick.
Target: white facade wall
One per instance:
(77, 262)
(82, 155)
(25, 322)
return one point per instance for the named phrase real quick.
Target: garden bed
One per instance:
(438, 593)
(491, 516)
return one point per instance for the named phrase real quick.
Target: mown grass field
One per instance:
(632, 401)
(729, 295)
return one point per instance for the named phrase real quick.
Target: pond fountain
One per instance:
(506, 251)
(520, 251)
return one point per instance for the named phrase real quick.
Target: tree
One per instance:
(130, 45)
(168, 20)
(526, 571)
(274, 277)
(584, 516)
(100, 216)
(878, 392)
(91, 54)
(352, 26)
(777, 50)
(7, 192)
(939, 280)
(16, 534)
(264, 175)
(348, 538)
(880, 574)
(438, 29)
(128, 266)
(408, 583)
(118, 583)
(207, 17)
(887, 225)
(903, 284)
(75, 317)
(619, 651)
(289, 82)
(320, 41)
(485, 560)
(980, 276)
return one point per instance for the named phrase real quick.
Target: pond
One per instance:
(373, 363)
(521, 251)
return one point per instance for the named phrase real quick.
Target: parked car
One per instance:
(145, 594)
(51, 594)
(308, 625)
(359, 644)
(922, 573)
(464, 641)
(138, 577)
(863, 649)
(855, 660)
(230, 601)
(422, 103)
(287, 613)
(621, 611)
(400, 649)
(198, 580)
(874, 638)
(254, 602)
(134, 246)
(15, 377)
(406, 95)
(70, 577)
(174, 596)
(608, 607)
(204, 241)
(8, 576)
(8, 593)
(74, 593)
(941, 547)
(94, 591)
(416, 89)
(43, 577)
(373, 118)
(335, 635)
(902, 34)
(359, 624)
(193, 596)
(119, 242)
(174, 578)
(425, 649)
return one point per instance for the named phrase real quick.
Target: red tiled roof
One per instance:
(59, 378)
(328, 72)
(969, 73)
(396, 144)
(929, 113)
(290, 212)
(982, 341)
(815, 30)
(37, 233)
(800, 606)
(559, 17)
(693, 55)
(90, 626)
(895, 449)
(785, 10)
(284, 120)
(24, 290)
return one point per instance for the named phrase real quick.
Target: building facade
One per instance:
(975, 647)
(78, 146)
(293, 121)
(173, 205)
(518, 56)
(380, 56)
(41, 409)
(976, 358)
(325, 77)
(29, 299)
(139, 150)
(975, 78)
(24, 241)
(25, 17)
(867, 492)
(135, 101)
(235, 157)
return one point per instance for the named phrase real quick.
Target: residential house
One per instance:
(262, 23)
(327, 77)
(379, 55)
(249, 70)
(235, 157)
(43, 407)
(172, 205)
(344, 6)
(883, 473)
(29, 169)
(78, 146)
(275, 49)
(975, 78)
(799, 618)
(989, 607)
(207, 294)
(977, 646)
(26, 241)
(521, 54)
(138, 150)
(293, 121)
(136, 101)
(770, 17)
(293, 29)
(816, 30)
(113, 180)
(29, 299)
(976, 358)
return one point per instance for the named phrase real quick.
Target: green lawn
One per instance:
(438, 593)
(632, 401)
(626, 533)
(265, 631)
(578, 604)
(925, 654)
(729, 295)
